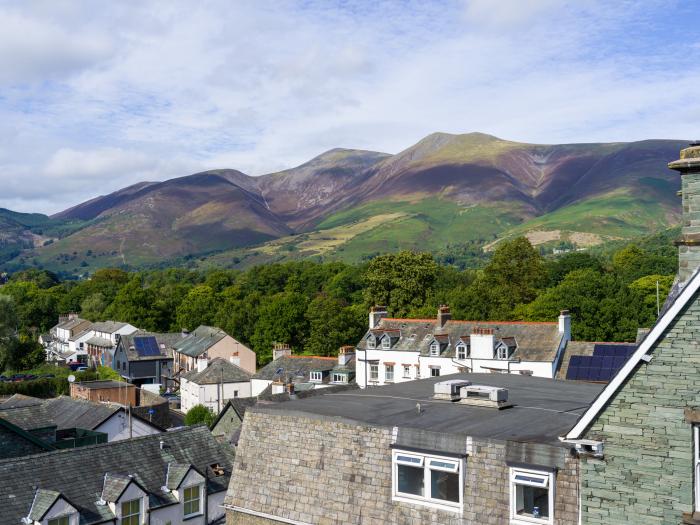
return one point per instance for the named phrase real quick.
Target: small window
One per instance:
(316, 376)
(434, 372)
(462, 352)
(388, 372)
(131, 512)
(374, 372)
(531, 496)
(235, 393)
(407, 371)
(386, 343)
(502, 352)
(371, 343)
(339, 378)
(191, 500)
(63, 520)
(430, 480)
(435, 349)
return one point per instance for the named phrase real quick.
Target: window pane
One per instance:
(449, 465)
(531, 501)
(444, 485)
(410, 480)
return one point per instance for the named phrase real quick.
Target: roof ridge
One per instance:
(406, 320)
(311, 357)
(117, 443)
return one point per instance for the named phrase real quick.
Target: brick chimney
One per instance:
(376, 314)
(280, 349)
(443, 315)
(689, 244)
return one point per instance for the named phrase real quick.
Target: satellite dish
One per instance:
(71, 378)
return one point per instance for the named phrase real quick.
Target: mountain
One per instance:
(462, 192)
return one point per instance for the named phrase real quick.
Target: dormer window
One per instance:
(131, 512)
(501, 351)
(316, 376)
(371, 343)
(462, 351)
(435, 349)
(386, 343)
(63, 520)
(192, 501)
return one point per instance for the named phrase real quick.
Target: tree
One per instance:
(401, 281)
(197, 308)
(93, 307)
(8, 331)
(136, 305)
(645, 287)
(199, 414)
(280, 319)
(567, 263)
(332, 323)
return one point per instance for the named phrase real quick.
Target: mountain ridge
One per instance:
(219, 210)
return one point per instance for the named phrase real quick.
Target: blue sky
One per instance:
(92, 100)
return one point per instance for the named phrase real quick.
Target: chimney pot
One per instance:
(443, 315)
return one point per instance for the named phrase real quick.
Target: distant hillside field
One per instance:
(447, 194)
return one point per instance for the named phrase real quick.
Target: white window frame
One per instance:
(407, 371)
(546, 480)
(424, 461)
(434, 349)
(434, 374)
(502, 347)
(374, 372)
(57, 519)
(389, 373)
(386, 343)
(316, 376)
(696, 464)
(371, 342)
(462, 349)
(199, 497)
(139, 515)
(339, 378)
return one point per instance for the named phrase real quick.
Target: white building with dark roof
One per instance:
(213, 384)
(397, 350)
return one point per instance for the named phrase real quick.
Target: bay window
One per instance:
(434, 481)
(531, 496)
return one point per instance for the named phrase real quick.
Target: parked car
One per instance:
(81, 368)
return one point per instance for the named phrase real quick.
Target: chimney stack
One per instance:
(280, 350)
(565, 324)
(689, 244)
(376, 314)
(202, 364)
(443, 315)
(345, 354)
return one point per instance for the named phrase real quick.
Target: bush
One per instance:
(199, 414)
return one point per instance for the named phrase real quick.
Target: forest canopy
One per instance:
(317, 307)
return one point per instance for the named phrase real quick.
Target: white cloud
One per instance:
(94, 100)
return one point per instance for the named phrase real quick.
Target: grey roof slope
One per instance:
(199, 340)
(20, 400)
(543, 410)
(78, 474)
(99, 341)
(218, 370)
(108, 327)
(535, 341)
(294, 367)
(70, 324)
(43, 501)
(62, 412)
(164, 340)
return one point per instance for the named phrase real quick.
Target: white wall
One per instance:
(174, 513)
(211, 396)
(117, 427)
(62, 508)
(258, 385)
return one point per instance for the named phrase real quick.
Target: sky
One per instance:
(95, 96)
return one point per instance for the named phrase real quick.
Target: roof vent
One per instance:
(449, 390)
(484, 396)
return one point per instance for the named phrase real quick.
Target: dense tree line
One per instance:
(317, 307)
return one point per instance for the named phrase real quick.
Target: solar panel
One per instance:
(613, 350)
(146, 346)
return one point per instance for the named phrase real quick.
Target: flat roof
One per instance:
(543, 409)
(107, 383)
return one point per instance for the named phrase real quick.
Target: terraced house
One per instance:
(206, 343)
(397, 350)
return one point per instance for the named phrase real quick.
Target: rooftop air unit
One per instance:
(449, 390)
(484, 396)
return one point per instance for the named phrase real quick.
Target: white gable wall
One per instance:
(60, 509)
(211, 396)
(117, 427)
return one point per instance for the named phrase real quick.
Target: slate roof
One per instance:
(62, 412)
(294, 367)
(43, 501)
(543, 410)
(164, 340)
(113, 486)
(19, 400)
(36, 443)
(176, 474)
(100, 342)
(573, 348)
(535, 341)
(78, 474)
(219, 370)
(199, 341)
(105, 383)
(81, 333)
(108, 327)
(70, 324)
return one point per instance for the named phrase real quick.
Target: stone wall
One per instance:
(329, 471)
(646, 475)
